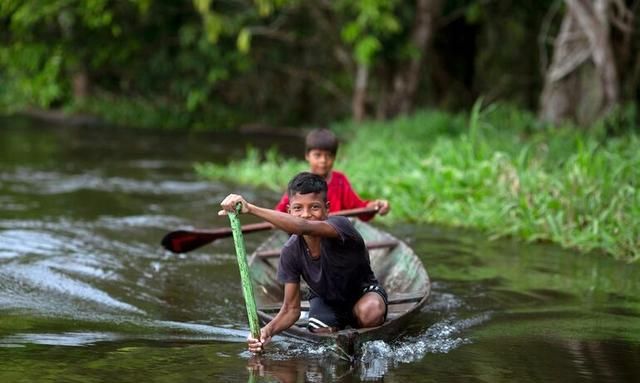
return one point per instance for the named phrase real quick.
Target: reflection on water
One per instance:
(289, 370)
(87, 293)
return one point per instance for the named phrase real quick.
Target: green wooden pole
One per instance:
(245, 276)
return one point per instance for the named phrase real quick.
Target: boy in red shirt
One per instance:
(321, 146)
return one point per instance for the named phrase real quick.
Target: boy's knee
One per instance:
(370, 313)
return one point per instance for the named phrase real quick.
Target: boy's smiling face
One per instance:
(311, 206)
(320, 161)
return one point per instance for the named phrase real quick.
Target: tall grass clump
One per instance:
(270, 169)
(497, 169)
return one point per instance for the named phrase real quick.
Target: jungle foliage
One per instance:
(497, 169)
(205, 64)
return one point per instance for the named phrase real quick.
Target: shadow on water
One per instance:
(87, 294)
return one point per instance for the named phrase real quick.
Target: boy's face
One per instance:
(310, 206)
(320, 161)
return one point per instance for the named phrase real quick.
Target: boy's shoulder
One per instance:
(292, 246)
(345, 228)
(337, 173)
(338, 177)
(291, 241)
(339, 220)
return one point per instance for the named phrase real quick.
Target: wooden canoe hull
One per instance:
(395, 265)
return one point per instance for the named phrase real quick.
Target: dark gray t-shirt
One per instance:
(339, 274)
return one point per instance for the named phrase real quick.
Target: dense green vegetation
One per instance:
(205, 64)
(497, 169)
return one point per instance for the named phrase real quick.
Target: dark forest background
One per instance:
(206, 64)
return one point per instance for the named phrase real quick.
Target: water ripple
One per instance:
(39, 182)
(62, 339)
(28, 280)
(139, 221)
(179, 332)
(16, 243)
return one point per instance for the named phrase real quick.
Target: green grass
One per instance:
(498, 170)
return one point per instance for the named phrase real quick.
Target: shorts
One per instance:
(323, 315)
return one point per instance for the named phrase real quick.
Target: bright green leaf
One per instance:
(366, 49)
(243, 42)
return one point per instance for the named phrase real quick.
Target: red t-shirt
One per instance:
(339, 194)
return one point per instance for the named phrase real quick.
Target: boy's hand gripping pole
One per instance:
(245, 276)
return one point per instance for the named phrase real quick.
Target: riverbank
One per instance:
(497, 170)
(137, 115)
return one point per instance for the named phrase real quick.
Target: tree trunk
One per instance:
(593, 18)
(358, 106)
(80, 85)
(407, 77)
(582, 81)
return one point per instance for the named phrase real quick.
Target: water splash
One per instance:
(442, 337)
(443, 302)
(377, 357)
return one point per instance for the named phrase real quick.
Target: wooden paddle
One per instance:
(183, 241)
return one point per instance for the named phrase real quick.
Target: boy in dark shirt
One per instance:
(321, 146)
(328, 253)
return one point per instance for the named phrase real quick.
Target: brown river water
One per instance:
(88, 295)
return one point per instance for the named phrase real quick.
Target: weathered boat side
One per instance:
(396, 266)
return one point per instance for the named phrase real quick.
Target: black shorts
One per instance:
(322, 314)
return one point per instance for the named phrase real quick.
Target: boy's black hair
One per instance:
(305, 183)
(322, 139)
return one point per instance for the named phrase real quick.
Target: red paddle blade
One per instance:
(183, 241)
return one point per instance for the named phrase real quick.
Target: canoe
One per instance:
(395, 265)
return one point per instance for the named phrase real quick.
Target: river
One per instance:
(88, 295)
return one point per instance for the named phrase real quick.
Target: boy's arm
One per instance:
(353, 200)
(283, 221)
(289, 312)
(381, 204)
(288, 315)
